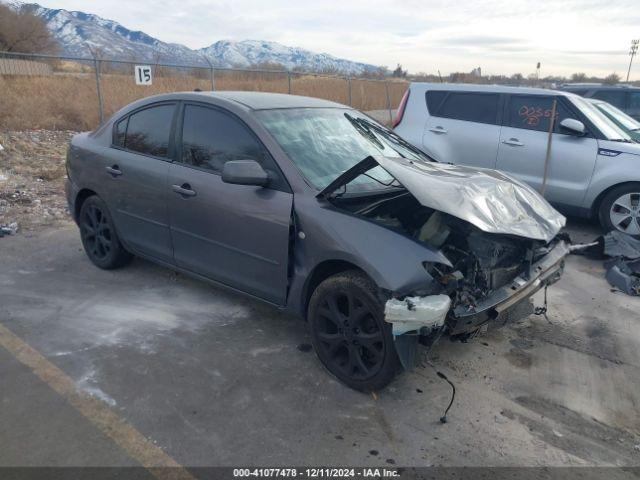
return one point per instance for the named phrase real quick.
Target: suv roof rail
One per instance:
(582, 84)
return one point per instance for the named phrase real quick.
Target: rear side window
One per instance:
(148, 130)
(533, 112)
(210, 138)
(471, 107)
(615, 98)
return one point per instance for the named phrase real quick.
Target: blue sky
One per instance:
(501, 36)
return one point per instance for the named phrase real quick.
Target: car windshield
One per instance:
(627, 122)
(325, 142)
(604, 124)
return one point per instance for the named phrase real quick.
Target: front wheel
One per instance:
(99, 237)
(620, 209)
(349, 333)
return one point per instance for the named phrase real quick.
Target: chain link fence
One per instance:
(72, 93)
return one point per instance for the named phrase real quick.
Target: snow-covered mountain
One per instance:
(79, 32)
(254, 52)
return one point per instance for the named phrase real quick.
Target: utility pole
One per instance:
(632, 53)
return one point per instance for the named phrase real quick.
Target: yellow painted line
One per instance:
(136, 445)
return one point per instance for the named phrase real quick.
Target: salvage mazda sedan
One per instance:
(317, 209)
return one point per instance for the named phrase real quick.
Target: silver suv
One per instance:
(593, 168)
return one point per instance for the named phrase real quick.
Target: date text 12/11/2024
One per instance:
(318, 472)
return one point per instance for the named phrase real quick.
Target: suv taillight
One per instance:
(401, 107)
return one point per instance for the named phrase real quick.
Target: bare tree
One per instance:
(22, 31)
(578, 78)
(612, 79)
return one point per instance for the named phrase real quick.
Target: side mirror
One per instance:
(572, 126)
(244, 172)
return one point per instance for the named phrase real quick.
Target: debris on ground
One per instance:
(32, 174)
(9, 229)
(623, 264)
(619, 244)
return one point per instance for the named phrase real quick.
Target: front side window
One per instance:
(210, 138)
(325, 142)
(614, 97)
(533, 112)
(471, 107)
(148, 130)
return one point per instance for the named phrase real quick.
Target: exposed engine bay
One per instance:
(482, 263)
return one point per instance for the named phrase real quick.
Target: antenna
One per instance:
(632, 52)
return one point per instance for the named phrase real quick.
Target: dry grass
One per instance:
(69, 101)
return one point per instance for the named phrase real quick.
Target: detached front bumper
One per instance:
(425, 314)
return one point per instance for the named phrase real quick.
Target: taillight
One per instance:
(401, 107)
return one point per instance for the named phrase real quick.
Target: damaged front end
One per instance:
(499, 236)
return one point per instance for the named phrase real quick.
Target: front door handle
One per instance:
(114, 170)
(438, 130)
(184, 190)
(513, 142)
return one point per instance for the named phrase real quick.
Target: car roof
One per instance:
(473, 87)
(266, 100)
(245, 100)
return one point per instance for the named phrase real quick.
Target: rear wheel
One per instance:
(620, 209)
(99, 237)
(349, 333)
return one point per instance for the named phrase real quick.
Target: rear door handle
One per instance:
(514, 142)
(437, 130)
(114, 170)
(184, 190)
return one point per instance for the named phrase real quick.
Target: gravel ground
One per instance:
(32, 178)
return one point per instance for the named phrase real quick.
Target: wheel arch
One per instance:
(595, 206)
(81, 197)
(321, 272)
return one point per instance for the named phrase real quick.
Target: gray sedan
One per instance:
(315, 208)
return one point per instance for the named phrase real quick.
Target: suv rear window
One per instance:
(615, 98)
(467, 106)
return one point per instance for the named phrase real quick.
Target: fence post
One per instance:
(349, 86)
(211, 73)
(289, 80)
(386, 90)
(96, 69)
(213, 79)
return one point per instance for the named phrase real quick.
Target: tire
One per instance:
(349, 333)
(620, 209)
(99, 237)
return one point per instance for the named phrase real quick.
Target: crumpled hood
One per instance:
(488, 199)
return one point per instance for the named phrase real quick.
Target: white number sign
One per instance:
(143, 75)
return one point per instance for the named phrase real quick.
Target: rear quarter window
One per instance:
(434, 100)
